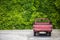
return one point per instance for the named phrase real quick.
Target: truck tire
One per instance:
(49, 34)
(34, 33)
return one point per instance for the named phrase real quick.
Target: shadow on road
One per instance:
(42, 35)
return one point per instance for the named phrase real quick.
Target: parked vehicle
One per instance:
(42, 25)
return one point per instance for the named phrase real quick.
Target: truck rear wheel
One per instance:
(48, 33)
(34, 33)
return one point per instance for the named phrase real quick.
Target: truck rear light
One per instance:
(51, 27)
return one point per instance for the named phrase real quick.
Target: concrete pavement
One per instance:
(27, 35)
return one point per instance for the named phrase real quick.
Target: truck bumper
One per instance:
(43, 30)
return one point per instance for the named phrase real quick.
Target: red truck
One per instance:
(42, 25)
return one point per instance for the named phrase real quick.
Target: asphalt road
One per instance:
(27, 35)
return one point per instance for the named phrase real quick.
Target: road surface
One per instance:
(27, 35)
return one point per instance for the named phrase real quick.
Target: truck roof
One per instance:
(42, 18)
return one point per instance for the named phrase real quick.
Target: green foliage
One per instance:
(21, 14)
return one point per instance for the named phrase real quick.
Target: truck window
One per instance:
(41, 20)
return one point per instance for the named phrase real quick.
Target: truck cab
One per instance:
(42, 25)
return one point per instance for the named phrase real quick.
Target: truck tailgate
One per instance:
(42, 27)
